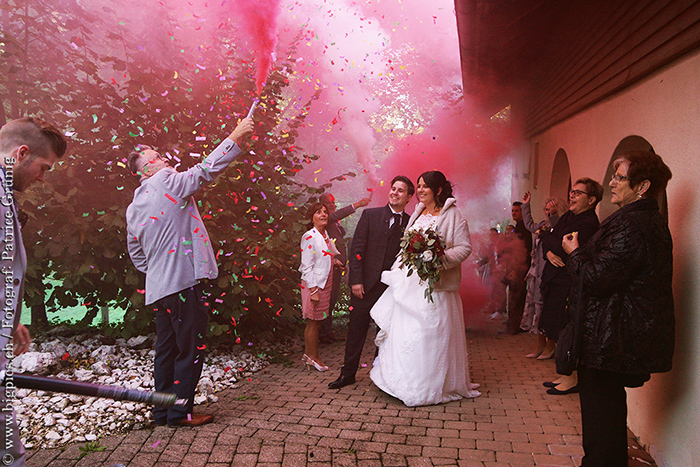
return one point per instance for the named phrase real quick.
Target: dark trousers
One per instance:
(517, 292)
(181, 328)
(327, 323)
(358, 327)
(604, 417)
(554, 316)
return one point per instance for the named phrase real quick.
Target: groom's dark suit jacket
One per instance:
(374, 246)
(373, 250)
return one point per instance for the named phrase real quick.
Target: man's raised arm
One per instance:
(185, 184)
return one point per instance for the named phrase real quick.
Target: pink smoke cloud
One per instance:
(382, 72)
(260, 19)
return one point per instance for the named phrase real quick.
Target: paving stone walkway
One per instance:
(287, 417)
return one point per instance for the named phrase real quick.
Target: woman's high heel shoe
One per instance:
(311, 362)
(548, 355)
(535, 354)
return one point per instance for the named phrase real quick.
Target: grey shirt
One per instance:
(166, 237)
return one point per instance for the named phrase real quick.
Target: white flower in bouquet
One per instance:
(421, 251)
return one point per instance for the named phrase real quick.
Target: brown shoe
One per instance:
(195, 419)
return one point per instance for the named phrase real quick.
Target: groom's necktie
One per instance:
(396, 222)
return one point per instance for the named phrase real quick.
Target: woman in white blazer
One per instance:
(318, 253)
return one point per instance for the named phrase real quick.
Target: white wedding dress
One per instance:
(422, 356)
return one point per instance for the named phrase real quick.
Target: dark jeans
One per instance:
(181, 329)
(554, 316)
(517, 292)
(358, 327)
(604, 415)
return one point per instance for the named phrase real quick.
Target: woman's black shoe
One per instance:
(341, 382)
(550, 384)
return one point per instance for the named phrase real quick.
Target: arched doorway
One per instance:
(560, 183)
(627, 144)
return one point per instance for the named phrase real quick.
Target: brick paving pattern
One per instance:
(287, 417)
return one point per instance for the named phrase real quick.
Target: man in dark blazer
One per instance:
(374, 248)
(336, 232)
(517, 288)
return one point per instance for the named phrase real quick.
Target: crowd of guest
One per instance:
(609, 282)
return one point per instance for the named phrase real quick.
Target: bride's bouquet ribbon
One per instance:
(422, 252)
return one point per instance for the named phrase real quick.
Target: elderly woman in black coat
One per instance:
(626, 305)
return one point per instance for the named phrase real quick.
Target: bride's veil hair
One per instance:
(435, 180)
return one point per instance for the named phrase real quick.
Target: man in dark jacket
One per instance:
(337, 232)
(516, 284)
(376, 243)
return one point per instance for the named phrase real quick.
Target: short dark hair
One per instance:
(517, 203)
(325, 198)
(38, 135)
(313, 209)
(593, 188)
(435, 180)
(133, 159)
(402, 178)
(645, 165)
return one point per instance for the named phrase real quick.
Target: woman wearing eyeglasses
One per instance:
(556, 280)
(627, 312)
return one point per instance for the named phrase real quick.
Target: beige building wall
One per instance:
(665, 110)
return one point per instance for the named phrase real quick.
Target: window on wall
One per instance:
(630, 143)
(560, 183)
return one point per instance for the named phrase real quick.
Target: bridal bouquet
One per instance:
(421, 251)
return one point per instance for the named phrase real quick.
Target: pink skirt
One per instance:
(316, 310)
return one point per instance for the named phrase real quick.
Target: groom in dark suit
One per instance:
(374, 248)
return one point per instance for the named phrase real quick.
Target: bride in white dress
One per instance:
(422, 356)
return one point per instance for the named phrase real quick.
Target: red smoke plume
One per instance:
(260, 19)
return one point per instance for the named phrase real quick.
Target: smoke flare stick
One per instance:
(256, 101)
(43, 383)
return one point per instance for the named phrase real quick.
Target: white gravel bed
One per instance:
(50, 420)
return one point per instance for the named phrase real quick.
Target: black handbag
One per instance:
(568, 351)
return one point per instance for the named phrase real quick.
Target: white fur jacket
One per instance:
(453, 229)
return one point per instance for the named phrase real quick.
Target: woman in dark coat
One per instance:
(626, 305)
(556, 280)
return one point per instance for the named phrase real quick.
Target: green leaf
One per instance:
(145, 103)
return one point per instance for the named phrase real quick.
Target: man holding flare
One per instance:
(168, 241)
